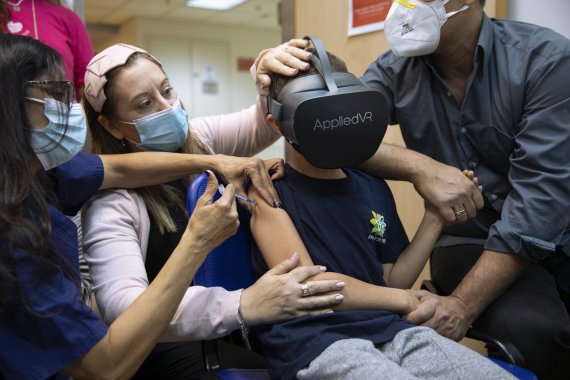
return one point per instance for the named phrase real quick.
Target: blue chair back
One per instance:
(229, 265)
(518, 372)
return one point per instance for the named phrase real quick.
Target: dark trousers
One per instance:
(183, 361)
(533, 313)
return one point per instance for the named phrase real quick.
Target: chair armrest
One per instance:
(210, 355)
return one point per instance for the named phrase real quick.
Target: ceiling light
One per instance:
(219, 5)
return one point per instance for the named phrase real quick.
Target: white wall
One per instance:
(242, 42)
(553, 14)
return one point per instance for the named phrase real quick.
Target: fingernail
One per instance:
(274, 204)
(323, 268)
(329, 311)
(339, 297)
(295, 255)
(340, 285)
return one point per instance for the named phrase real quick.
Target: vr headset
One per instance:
(331, 118)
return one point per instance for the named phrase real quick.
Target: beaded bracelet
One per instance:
(244, 329)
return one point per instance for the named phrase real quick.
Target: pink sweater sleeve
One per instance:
(243, 133)
(115, 236)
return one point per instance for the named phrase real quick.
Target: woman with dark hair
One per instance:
(45, 329)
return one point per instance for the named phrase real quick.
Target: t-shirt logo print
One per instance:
(378, 228)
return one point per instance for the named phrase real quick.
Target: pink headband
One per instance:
(114, 56)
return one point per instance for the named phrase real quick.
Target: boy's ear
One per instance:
(110, 127)
(273, 124)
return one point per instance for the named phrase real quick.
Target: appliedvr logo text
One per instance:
(342, 121)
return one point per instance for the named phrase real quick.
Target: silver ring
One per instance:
(305, 290)
(460, 212)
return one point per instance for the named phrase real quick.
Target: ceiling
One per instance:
(252, 13)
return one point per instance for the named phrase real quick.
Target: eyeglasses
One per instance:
(60, 90)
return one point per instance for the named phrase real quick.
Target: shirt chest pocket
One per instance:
(492, 145)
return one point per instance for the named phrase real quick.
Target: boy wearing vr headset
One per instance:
(347, 220)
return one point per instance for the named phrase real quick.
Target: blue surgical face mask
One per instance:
(164, 131)
(54, 144)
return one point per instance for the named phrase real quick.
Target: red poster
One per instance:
(367, 15)
(243, 64)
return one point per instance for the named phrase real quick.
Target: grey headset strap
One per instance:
(274, 108)
(322, 63)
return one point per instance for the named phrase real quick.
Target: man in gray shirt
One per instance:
(492, 96)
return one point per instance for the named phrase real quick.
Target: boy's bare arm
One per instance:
(277, 237)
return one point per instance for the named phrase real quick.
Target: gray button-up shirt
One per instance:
(512, 130)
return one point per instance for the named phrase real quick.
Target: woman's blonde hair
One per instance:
(158, 198)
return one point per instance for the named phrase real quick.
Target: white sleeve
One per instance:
(115, 236)
(243, 133)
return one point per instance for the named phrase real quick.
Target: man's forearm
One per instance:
(491, 275)
(396, 163)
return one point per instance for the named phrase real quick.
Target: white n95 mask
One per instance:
(413, 27)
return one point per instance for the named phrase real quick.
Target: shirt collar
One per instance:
(485, 42)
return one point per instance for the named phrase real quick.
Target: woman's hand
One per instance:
(286, 59)
(275, 168)
(213, 222)
(277, 295)
(235, 170)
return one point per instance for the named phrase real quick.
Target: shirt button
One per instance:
(463, 129)
(494, 197)
(448, 93)
(472, 164)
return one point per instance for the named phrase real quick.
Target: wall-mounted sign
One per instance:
(244, 64)
(210, 82)
(365, 16)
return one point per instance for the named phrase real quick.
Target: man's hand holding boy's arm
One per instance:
(443, 186)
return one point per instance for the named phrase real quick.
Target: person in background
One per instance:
(130, 234)
(56, 26)
(497, 92)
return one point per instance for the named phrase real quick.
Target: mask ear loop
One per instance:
(453, 13)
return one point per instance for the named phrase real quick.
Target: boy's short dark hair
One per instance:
(279, 81)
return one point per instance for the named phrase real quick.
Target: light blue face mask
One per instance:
(164, 131)
(53, 144)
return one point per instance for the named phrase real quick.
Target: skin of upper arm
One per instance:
(275, 233)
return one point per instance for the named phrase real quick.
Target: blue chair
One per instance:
(228, 266)
(516, 362)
